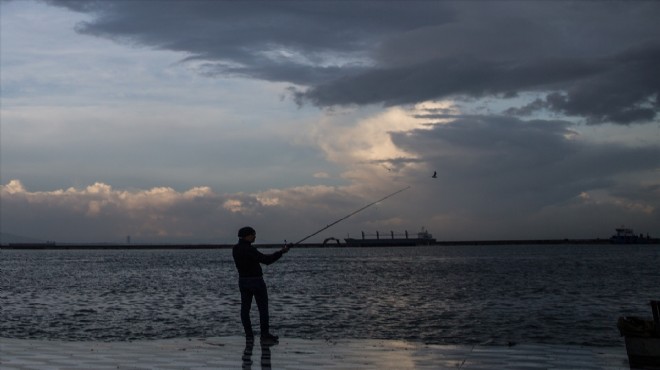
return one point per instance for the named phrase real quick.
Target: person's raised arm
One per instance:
(267, 259)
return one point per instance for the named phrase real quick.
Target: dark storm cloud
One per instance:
(627, 91)
(492, 164)
(236, 37)
(595, 60)
(446, 78)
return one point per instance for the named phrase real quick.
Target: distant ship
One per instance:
(625, 235)
(392, 240)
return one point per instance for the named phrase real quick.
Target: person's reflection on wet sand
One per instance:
(265, 354)
(247, 354)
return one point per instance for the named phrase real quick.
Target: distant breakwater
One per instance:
(52, 245)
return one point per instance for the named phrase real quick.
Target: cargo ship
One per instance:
(391, 239)
(625, 235)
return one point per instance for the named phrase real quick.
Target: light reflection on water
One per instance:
(474, 294)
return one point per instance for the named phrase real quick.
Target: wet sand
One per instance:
(292, 353)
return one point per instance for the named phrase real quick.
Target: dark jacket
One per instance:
(247, 259)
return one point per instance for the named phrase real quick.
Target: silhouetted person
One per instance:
(251, 282)
(435, 175)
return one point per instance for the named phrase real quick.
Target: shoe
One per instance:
(269, 339)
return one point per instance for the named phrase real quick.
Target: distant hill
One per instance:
(6, 238)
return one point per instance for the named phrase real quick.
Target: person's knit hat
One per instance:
(245, 231)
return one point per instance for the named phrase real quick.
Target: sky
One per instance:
(182, 121)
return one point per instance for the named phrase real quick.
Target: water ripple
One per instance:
(466, 295)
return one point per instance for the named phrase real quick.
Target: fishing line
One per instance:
(351, 214)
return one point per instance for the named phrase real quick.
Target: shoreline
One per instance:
(294, 353)
(110, 246)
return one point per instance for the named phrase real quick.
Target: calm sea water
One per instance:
(465, 295)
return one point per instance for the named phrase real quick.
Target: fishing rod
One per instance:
(351, 214)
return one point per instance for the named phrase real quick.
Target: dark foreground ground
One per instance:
(290, 353)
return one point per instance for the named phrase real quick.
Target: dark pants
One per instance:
(254, 287)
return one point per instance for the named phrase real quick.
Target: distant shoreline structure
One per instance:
(56, 246)
(424, 238)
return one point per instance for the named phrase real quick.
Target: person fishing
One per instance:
(251, 283)
(250, 276)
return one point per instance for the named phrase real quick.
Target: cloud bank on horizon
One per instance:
(540, 118)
